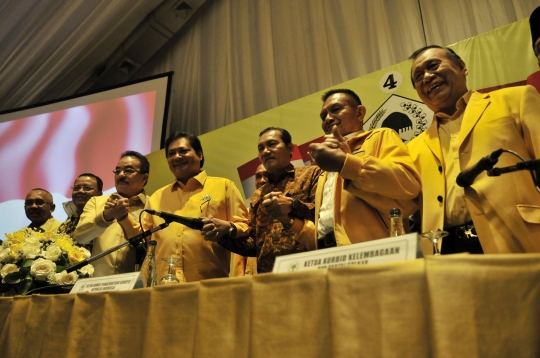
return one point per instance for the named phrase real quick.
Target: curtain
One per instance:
(237, 58)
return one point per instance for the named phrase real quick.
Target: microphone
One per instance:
(467, 177)
(193, 223)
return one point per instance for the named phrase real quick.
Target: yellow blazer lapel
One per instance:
(432, 141)
(318, 196)
(475, 108)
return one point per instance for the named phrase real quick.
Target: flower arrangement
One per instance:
(31, 259)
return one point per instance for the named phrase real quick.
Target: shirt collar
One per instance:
(353, 134)
(193, 182)
(289, 171)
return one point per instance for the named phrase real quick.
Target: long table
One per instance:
(452, 306)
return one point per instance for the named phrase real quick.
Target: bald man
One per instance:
(39, 207)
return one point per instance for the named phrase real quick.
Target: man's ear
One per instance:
(53, 207)
(361, 112)
(290, 148)
(145, 179)
(463, 67)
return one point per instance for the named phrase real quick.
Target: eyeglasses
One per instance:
(82, 187)
(127, 171)
(37, 202)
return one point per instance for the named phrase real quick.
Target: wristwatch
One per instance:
(288, 225)
(232, 231)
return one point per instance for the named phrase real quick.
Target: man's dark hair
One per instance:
(145, 164)
(347, 91)
(450, 54)
(98, 179)
(194, 142)
(285, 135)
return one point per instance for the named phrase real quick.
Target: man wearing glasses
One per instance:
(193, 194)
(102, 215)
(38, 207)
(86, 186)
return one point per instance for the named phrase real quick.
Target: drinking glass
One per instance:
(171, 275)
(434, 236)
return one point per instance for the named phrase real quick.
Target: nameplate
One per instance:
(392, 249)
(120, 282)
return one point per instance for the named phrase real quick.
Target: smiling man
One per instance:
(39, 207)
(367, 174)
(287, 199)
(194, 194)
(494, 214)
(85, 186)
(102, 215)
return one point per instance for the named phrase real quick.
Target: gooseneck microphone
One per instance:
(467, 177)
(194, 223)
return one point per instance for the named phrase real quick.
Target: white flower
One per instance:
(41, 268)
(87, 270)
(7, 269)
(87, 254)
(31, 249)
(64, 278)
(32, 239)
(52, 252)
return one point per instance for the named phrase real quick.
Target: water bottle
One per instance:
(396, 223)
(148, 268)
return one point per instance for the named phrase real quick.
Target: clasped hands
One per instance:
(330, 155)
(214, 229)
(276, 204)
(116, 207)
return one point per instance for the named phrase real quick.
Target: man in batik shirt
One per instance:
(286, 200)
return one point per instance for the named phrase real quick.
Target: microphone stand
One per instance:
(533, 164)
(133, 241)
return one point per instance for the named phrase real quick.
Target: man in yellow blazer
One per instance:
(494, 214)
(103, 216)
(367, 174)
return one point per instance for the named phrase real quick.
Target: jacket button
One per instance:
(440, 168)
(439, 198)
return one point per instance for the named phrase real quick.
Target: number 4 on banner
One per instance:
(390, 81)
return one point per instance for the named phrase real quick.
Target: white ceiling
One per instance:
(54, 48)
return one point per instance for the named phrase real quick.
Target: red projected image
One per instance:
(50, 150)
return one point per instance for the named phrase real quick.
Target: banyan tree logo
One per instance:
(293, 266)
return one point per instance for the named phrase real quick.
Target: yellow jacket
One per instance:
(505, 209)
(377, 176)
(93, 228)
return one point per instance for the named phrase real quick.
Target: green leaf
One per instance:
(62, 260)
(15, 277)
(28, 263)
(60, 268)
(24, 287)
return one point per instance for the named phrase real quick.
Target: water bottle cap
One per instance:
(395, 212)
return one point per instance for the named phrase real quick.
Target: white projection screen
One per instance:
(48, 146)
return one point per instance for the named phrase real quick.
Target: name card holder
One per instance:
(392, 249)
(120, 282)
